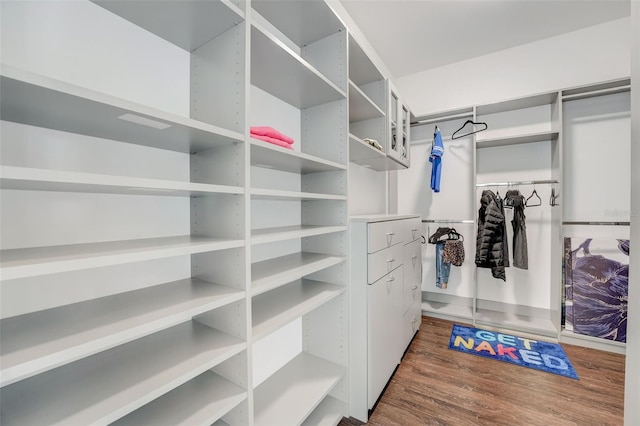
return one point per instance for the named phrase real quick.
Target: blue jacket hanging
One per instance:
(437, 150)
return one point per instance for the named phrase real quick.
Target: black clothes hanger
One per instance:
(553, 198)
(533, 194)
(436, 236)
(470, 133)
(454, 235)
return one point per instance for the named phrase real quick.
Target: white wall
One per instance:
(593, 54)
(81, 43)
(632, 373)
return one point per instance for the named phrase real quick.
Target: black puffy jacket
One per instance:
(491, 239)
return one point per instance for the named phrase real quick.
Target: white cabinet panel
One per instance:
(384, 261)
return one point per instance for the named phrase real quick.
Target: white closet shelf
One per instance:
(187, 24)
(527, 324)
(278, 70)
(275, 194)
(44, 102)
(361, 107)
(516, 139)
(447, 309)
(291, 394)
(571, 337)
(40, 341)
(367, 156)
(267, 155)
(328, 413)
(361, 69)
(107, 386)
(606, 88)
(518, 103)
(270, 235)
(199, 402)
(303, 22)
(28, 262)
(24, 178)
(278, 307)
(270, 274)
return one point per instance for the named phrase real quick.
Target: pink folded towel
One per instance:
(270, 132)
(272, 140)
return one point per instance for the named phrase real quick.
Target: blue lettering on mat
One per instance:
(526, 352)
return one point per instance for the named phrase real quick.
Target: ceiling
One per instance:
(413, 36)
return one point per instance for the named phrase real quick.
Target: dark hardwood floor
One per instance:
(438, 386)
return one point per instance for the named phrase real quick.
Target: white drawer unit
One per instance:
(383, 262)
(384, 299)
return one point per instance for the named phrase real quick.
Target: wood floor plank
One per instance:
(438, 386)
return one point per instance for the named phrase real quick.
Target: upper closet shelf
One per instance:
(361, 107)
(278, 70)
(271, 235)
(199, 402)
(367, 156)
(187, 23)
(291, 394)
(519, 103)
(443, 116)
(28, 262)
(107, 386)
(515, 140)
(273, 194)
(59, 180)
(607, 88)
(43, 340)
(44, 102)
(361, 69)
(273, 273)
(267, 155)
(302, 22)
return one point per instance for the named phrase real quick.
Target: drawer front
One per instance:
(412, 261)
(384, 261)
(384, 234)
(412, 230)
(411, 321)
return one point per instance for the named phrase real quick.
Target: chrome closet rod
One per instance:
(447, 221)
(515, 183)
(597, 223)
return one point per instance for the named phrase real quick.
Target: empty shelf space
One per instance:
(267, 155)
(24, 178)
(328, 413)
(274, 194)
(440, 309)
(44, 102)
(270, 235)
(199, 402)
(360, 106)
(278, 70)
(105, 387)
(302, 22)
(40, 341)
(527, 324)
(27, 262)
(361, 68)
(278, 307)
(516, 139)
(187, 24)
(273, 273)
(291, 394)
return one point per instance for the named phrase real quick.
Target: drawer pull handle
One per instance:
(390, 279)
(414, 288)
(391, 260)
(391, 233)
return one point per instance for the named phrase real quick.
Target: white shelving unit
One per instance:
(121, 217)
(298, 210)
(143, 261)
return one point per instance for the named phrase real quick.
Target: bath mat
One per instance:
(526, 352)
